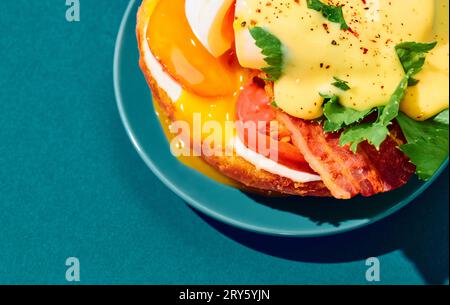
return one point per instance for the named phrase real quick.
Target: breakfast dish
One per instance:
(351, 95)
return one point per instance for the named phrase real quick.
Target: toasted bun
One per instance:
(234, 167)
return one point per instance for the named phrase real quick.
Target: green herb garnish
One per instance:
(412, 57)
(272, 49)
(331, 12)
(376, 132)
(341, 84)
(338, 116)
(428, 142)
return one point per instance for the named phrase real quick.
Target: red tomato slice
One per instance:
(253, 105)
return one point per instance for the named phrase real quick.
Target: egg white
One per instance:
(206, 18)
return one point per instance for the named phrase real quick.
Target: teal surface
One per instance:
(71, 183)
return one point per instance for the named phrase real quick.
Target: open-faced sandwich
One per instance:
(303, 97)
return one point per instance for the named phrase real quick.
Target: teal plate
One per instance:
(292, 216)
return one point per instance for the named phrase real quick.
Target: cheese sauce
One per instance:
(316, 50)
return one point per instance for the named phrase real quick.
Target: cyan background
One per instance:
(71, 183)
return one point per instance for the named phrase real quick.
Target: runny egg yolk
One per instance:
(174, 44)
(227, 26)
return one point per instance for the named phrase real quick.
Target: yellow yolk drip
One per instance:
(168, 33)
(196, 163)
(316, 50)
(210, 85)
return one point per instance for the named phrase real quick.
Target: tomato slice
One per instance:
(253, 105)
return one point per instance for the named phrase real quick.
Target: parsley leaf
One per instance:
(373, 133)
(442, 117)
(341, 84)
(272, 49)
(390, 111)
(412, 56)
(331, 12)
(428, 142)
(338, 116)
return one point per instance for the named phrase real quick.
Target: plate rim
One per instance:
(209, 212)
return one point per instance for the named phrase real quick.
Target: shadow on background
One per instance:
(420, 231)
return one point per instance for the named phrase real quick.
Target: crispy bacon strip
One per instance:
(346, 174)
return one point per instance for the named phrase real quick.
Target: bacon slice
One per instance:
(346, 174)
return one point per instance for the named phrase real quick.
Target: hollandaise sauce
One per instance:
(317, 50)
